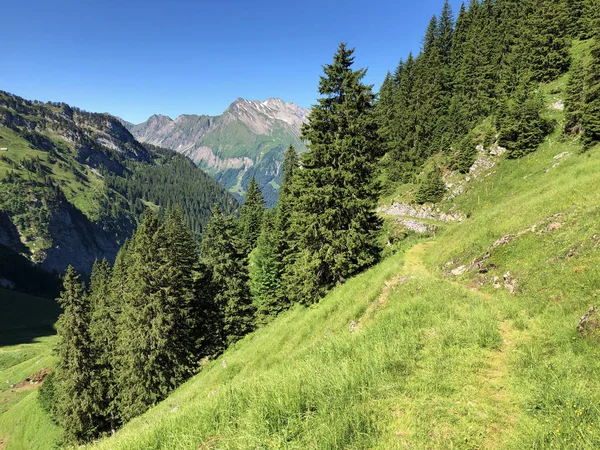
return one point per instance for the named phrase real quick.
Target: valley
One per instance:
(416, 267)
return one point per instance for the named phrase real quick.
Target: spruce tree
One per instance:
(263, 272)
(431, 186)
(574, 99)
(103, 336)
(154, 327)
(76, 400)
(251, 215)
(547, 41)
(385, 107)
(590, 114)
(522, 126)
(223, 256)
(284, 239)
(398, 163)
(334, 221)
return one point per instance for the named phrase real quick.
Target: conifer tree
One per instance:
(398, 163)
(385, 106)
(522, 127)
(263, 272)
(336, 192)
(223, 255)
(284, 239)
(103, 336)
(154, 326)
(431, 186)
(76, 403)
(547, 50)
(251, 215)
(590, 117)
(574, 99)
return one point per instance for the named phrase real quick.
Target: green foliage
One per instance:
(431, 187)
(224, 258)
(154, 334)
(333, 222)
(47, 395)
(522, 126)
(547, 43)
(172, 180)
(76, 410)
(465, 154)
(103, 336)
(590, 119)
(264, 272)
(251, 216)
(574, 99)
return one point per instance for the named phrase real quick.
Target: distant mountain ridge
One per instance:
(248, 139)
(73, 185)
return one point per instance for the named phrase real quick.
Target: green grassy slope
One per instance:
(23, 423)
(22, 315)
(409, 356)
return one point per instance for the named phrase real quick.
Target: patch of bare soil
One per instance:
(31, 382)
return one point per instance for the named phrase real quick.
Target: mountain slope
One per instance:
(73, 183)
(248, 139)
(416, 354)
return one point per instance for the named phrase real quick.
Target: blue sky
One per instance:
(134, 58)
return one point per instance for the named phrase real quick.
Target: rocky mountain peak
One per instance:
(248, 139)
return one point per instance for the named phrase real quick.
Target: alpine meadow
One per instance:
(408, 265)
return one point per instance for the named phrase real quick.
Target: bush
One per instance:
(47, 395)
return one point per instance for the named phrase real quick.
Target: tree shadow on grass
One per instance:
(25, 336)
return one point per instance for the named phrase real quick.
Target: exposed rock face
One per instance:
(589, 324)
(78, 241)
(421, 212)
(248, 139)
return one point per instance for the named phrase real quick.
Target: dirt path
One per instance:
(492, 383)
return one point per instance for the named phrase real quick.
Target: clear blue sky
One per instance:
(134, 58)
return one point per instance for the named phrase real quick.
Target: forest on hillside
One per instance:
(145, 325)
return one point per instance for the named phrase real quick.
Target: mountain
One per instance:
(248, 139)
(73, 184)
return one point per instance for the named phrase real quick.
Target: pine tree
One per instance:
(223, 255)
(474, 63)
(76, 403)
(431, 186)
(574, 99)
(522, 127)
(336, 192)
(398, 162)
(284, 239)
(154, 327)
(251, 215)
(263, 272)
(385, 106)
(547, 41)
(590, 114)
(103, 336)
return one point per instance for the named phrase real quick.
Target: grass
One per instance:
(81, 193)
(25, 313)
(406, 355)
(26, 343)
(443, 362)
(23, 424)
